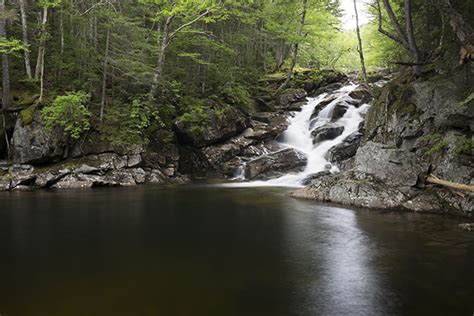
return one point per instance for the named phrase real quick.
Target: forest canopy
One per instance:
(142, 63)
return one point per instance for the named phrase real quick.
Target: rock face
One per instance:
(32, 143)
(345, 150)
(276, 164)
(411, 126)
(221, 123)
(326, 132)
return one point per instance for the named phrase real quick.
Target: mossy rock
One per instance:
(24, 98)
(27, 115)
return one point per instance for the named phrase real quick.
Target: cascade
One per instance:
(299, 136)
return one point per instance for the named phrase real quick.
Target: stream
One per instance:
(209, 250)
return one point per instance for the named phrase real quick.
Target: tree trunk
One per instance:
(6, 99)
(396, 25)
(361, 50)
(24, 27)
(415, 53)
(295, 46)
(39, 71)
(157, 78)
(104, 74)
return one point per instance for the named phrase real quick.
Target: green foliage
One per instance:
(436, 143)
(237, 95)
(11, 46)
(69, 113)
(127, 124)
(463, 146)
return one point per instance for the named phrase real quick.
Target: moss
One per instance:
(24, 98)
(463, 146)
(436, 143)
(27, 115)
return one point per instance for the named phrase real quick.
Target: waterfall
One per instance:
(299, 136)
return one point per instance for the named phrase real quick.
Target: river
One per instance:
(208, 250)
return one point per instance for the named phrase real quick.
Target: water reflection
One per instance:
(214, 251)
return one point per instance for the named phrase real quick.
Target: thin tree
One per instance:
(167, 36)
(24, 28)
(359, 39)
(6, 98)
(295, 46)
(104, 73)
(39, 70)
(404, 37)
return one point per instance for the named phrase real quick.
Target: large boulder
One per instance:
(326, 132)
(361, 94)
(345, 150)
(33, 144)
(220, 123)
(276, 164)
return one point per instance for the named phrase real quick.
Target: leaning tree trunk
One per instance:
(359, 39)
(415, 53)
(24, 28)
(295, 47)
(6, 100)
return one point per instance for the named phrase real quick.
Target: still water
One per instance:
(201, 250)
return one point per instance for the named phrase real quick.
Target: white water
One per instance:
(298, 136)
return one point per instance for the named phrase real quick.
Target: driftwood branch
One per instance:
(448, 184)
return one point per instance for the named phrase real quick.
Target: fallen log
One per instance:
(448, 184)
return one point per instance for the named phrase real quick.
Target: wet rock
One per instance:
(263, 117)
(326, 132)
(329, 88)
(220, 123)
(155, 176)
(321, 105)
(345, 150)
(86, 169)
(362, 94)
(339, 110)
(275, 164)
(469, 227)
(312, 177)
(22, 178)
(347, 189)
(33, 144)
(4, 184)
(287, 97)
(295, 107)
(46, 179)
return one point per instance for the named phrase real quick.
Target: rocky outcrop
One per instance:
(33, 144)
(108, 169)
(275, 164)
(219, 122)
(412, 127)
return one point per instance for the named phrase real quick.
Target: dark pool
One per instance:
(195, 250)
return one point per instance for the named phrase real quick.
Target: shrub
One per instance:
(69, 113)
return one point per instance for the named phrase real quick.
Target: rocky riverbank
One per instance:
(414, 127)
(212, 148)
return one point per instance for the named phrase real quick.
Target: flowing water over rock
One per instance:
(323, 123)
